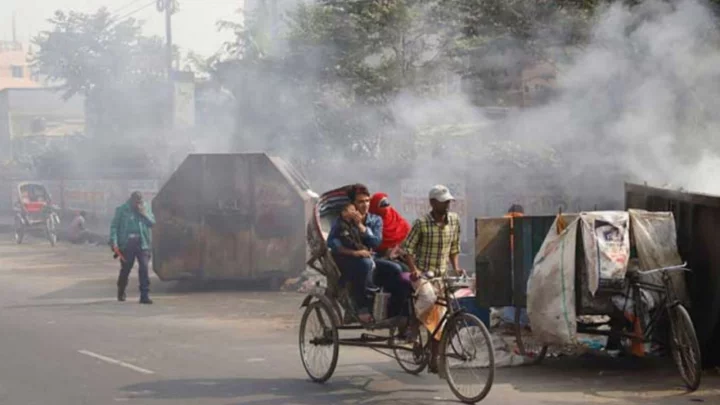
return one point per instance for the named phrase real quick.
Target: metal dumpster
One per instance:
(697, 219)
(231, 217)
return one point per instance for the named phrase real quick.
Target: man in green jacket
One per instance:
(130, 238)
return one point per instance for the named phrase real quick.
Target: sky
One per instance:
(193, 26)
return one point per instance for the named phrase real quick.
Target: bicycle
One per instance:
(683, 340)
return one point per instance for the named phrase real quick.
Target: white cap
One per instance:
(440, 193)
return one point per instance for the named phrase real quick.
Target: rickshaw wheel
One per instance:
(19, 235)
(537, 355)
(19, 232)
(455, 345)
(412, 361)
(50, 231)
(685, 347)
(319, 342)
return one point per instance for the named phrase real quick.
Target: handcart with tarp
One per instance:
(611, 273)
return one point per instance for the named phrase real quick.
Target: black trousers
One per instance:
(133, 252)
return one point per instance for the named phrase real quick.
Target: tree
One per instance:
(118, 70)
(376, 48)
(342, 62)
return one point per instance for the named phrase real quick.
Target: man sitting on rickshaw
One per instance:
(433, 241)
(357, 267)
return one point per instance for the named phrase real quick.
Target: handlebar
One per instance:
(446, 279)
(670, 268)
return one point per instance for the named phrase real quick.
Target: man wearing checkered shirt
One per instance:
(434, 239)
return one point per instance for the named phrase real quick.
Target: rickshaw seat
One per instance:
(34, 207)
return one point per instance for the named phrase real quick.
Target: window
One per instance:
(17, 72)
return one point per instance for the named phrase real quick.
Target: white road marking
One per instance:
(255, 360)
(113, 361)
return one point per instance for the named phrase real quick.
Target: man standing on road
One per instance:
(130, 238)
(433, 241)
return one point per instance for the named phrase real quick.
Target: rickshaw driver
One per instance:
(433, 241)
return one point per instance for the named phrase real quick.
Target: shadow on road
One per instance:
(257, 391)
(595, 380)
(629, 380)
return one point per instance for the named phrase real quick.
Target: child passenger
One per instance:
(346, 241)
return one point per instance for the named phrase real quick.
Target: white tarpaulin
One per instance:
(551, 287)
(606, 242)
(655, 239)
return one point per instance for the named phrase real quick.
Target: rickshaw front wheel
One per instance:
(467, 357)
(319, 341)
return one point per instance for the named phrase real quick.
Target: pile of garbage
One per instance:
(308, 281)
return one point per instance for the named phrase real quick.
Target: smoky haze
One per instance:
(630, 105)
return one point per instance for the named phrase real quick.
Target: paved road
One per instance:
(64, 340)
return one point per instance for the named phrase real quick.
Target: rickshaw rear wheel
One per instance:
(319, 341)
(50, 231)
(19, 235)
(452, 345)
(685, 347)
(19, 231)
(415, 360)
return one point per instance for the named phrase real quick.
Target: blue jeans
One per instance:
(388, 275)
(358, 272)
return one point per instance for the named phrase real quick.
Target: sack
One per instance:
(551, 287)
(425, 297)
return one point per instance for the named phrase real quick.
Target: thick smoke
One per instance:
(630, 105)
(634, 101)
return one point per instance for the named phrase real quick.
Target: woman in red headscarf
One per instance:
(395, 227)
(393, 274)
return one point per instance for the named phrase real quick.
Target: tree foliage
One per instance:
(119, 71)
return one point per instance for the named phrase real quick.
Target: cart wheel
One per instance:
(19, 232)
(319, 345)
(466, 342)
(411, 354)
(50, 231)
(535, 352)
(685, 347)
(19, 236)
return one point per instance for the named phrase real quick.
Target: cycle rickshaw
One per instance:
(464, 339)
(34, 211)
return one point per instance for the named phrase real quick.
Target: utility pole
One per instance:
(14, 29)
(168, 6)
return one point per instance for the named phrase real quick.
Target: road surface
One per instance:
(65, 340)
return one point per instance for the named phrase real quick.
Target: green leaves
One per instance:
(118, 70)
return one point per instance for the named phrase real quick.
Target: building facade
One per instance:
(31, 119)
(15, 70)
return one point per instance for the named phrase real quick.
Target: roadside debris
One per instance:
(308, 281)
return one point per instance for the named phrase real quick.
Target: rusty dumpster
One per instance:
(697, 219)
(231, 217)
